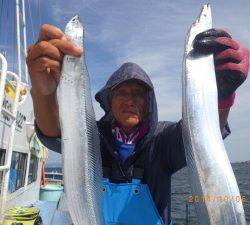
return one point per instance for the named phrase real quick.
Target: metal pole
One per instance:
(24, 41)
(18, 39)
(187, 213)
(3, 73)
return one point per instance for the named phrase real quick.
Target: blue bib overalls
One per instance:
(129, 204)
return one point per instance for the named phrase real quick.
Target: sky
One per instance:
(150, 33)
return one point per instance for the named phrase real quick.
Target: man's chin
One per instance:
(132, 121)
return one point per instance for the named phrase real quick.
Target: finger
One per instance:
(48, 32)
(30, 48)
(212, 33)
(229, 55)
(213, 45)
(56, 74)
(67, 47)
(228, 81)
(43, 63)
(207, 45)
(45, 48)
(242, 67)
(227, 42)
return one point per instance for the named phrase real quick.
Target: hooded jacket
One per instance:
(156, 157)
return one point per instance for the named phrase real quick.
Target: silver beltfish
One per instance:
(82, 166)
(210, 172)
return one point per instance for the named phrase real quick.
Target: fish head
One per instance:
(202, 23)
(74, 31)
(72, 67)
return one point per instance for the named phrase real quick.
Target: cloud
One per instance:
(152, 34)
(61, 14)
(150, 42)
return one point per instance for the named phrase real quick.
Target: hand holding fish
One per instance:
(231, 60)
(44, 62)
(44, 59)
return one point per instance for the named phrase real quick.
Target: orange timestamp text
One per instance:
(212, 198)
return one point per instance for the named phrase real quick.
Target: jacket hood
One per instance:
(127, 72)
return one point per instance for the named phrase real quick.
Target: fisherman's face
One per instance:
(129, 104)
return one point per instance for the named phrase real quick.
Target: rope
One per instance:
(31, 21)
(1, 15)
(3, 18)
(5, 24)
(14, 64)
(39, 12)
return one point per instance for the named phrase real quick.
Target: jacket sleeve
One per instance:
(52, 143)
(172, 147)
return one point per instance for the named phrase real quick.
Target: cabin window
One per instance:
(2, 158)
(17, 171)
(32, 169)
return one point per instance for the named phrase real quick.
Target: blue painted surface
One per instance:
(62, 218)
(12, 180)
(47, 211)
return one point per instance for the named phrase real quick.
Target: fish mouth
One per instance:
(76, 18)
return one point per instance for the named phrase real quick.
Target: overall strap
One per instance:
(139, 165)
(120, 172)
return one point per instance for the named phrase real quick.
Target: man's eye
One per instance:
(140, 94)
(121, 93)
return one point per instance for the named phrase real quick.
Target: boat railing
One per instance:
(11, 113)
(54, 177)
(188, 217)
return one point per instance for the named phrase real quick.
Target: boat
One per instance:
(22, 156)
(53, 177)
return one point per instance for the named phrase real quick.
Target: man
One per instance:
(139, 154)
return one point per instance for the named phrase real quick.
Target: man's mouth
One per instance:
(129, 111)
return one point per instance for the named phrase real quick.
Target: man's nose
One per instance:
(129, 99)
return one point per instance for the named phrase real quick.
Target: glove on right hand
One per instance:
(231, 61)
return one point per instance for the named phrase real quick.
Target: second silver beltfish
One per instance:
(210, 173)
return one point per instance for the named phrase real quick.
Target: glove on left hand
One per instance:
(231, 61)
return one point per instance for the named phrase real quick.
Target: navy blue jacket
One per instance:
(161, 150)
